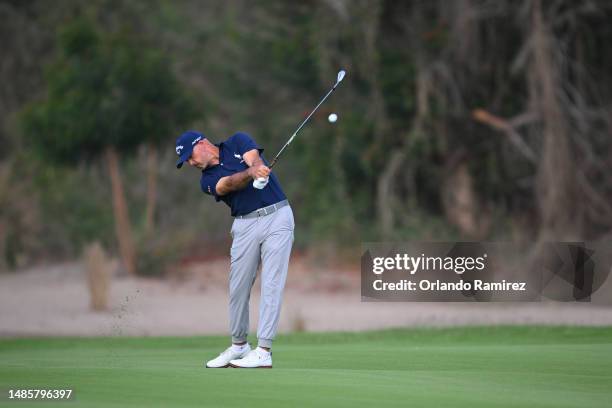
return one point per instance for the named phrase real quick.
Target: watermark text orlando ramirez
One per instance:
(458, 265)
(483, 271)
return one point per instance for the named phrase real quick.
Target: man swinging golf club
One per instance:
(234, 172)
(262, 232)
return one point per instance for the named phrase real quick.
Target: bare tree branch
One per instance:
(508, 127)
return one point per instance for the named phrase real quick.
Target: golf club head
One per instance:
(341, 75)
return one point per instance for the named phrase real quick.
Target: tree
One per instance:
(108, 93)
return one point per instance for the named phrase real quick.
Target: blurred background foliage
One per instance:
(462, 120)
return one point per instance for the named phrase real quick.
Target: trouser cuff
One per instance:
(264, 343)
(239, 339)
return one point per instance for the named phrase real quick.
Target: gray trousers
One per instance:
(268, 240)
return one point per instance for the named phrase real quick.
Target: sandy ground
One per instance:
(55, 301)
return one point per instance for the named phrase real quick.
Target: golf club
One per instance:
(262, 182)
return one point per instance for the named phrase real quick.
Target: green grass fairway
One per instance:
(464, 367)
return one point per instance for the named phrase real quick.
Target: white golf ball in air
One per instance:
(332, 118)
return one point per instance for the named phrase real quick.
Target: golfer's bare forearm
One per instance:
(240, 180)
(252, 158)
(235, 182)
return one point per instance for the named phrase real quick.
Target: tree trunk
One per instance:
(3, 264)
(4, 190)
(386, 201)
(557, 185)
(151, 189)
(462, 206)
(120, 210)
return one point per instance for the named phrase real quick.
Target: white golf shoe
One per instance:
(231, 353)
(258, 358)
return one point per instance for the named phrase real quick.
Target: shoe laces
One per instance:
(252, 354)
(227, 351)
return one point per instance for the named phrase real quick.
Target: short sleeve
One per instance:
(245, 143)
(208, 182)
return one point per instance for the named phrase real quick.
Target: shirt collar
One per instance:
(220, 146)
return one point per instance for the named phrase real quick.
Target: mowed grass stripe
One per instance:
(475, 367)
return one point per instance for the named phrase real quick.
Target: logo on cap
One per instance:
(179, 149)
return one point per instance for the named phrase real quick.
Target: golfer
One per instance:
(262, 232)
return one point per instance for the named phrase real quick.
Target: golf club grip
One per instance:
(273, 162)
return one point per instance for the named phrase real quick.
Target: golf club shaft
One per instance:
(302, 125)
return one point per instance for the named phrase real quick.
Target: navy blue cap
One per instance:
(185, 144)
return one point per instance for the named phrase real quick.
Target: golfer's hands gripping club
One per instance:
(260, 176)
(260, 183)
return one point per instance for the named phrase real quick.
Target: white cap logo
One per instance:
(179, 149)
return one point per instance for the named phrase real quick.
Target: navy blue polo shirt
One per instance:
(249, 198)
